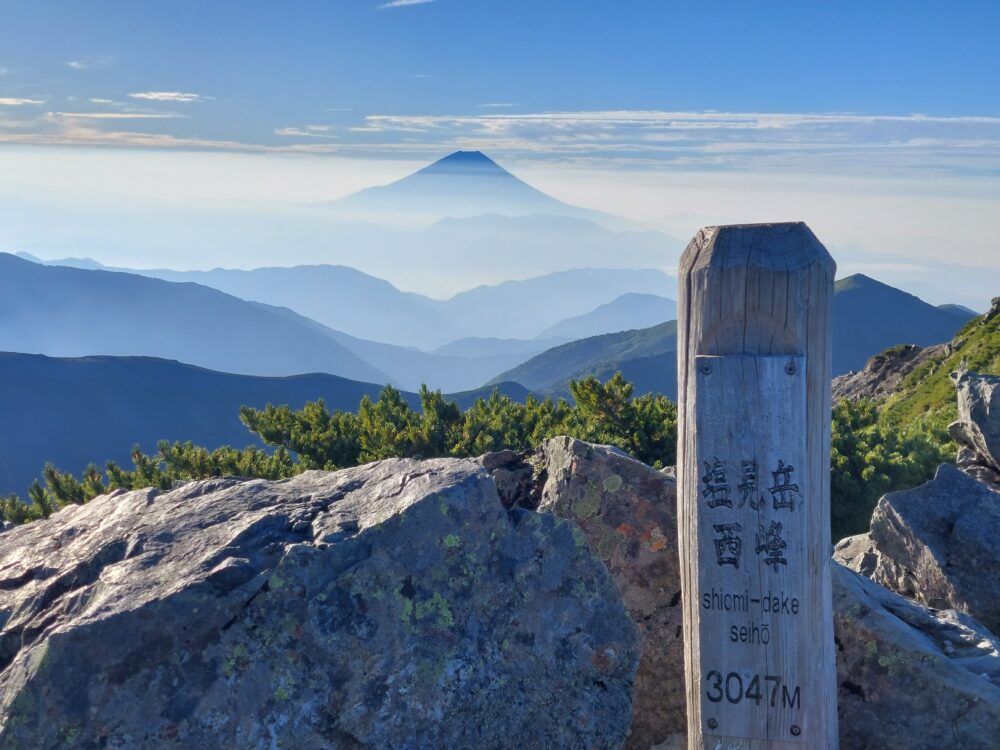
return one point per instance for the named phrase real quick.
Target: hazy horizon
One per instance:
(200, 137)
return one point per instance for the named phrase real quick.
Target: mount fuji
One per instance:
(462, 185)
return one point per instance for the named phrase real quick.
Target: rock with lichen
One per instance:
(900, 664)
(911, 678)
(394, 605)
(628, 513)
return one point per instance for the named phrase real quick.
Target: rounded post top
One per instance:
(784, 246)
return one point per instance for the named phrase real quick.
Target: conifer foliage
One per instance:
(869, 457)
(313, 437)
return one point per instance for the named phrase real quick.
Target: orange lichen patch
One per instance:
(657, 540)
(625, 530)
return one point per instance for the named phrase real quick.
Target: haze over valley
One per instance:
(338, 333)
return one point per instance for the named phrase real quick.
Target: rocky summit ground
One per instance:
(395, 605)
(515, 601)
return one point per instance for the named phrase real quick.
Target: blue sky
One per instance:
(359, 76)
(875, 112)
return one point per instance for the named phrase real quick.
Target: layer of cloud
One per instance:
(8, 101)
(802, 143)
(168, 96)
(719, 140)
(404, 3)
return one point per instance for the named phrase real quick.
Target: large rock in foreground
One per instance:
(938, 544)
(628, 513)
(911, 678)
(395, 605)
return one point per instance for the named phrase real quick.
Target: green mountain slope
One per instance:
(928, 393)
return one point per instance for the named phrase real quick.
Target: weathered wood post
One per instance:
(753, 373)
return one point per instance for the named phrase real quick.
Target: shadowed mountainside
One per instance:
(74, 411)
(869, 317)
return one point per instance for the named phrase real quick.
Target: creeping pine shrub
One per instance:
(869, 456)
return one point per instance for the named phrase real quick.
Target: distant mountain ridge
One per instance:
(75, 411)
(62, 311)
(550, 371)
(624, 313)
(370, 308)
(868, 318)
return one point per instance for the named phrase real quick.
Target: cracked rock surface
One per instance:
(977, 430)
(937, 544)
(394, 605)
(911, 678)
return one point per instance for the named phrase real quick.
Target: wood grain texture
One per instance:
(763, 291)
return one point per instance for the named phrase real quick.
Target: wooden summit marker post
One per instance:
(753, 375)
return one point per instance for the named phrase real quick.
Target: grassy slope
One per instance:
(928, 392)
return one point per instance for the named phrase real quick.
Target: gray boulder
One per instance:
(936, 544)
(395, 605)
(977, 430)
(628, 514)
(911, 678)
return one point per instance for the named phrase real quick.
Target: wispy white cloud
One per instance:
(120, 115)
(92, 62)
(71, 131)
(7, 101)
(799, 143)
(802, 142)
(169, 96)
(309, 131)
(404, 3)
(496, 105)
(101, 101)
